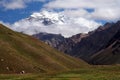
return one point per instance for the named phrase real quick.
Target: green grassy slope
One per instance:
(19, 52)
(91, 73)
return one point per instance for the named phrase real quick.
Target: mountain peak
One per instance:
(45, 14)
(55, 23)
(48, 17)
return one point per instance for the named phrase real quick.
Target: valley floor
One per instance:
(91, 73)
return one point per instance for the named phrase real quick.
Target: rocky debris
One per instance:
(1, 59)
(8, 68)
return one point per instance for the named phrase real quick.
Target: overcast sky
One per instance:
(91, 12)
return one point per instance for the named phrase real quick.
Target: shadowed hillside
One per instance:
(20, 53)
(109, 55)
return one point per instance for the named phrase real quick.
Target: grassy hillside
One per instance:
(22, 53)
(93, 73)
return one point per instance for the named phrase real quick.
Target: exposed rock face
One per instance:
(77, 38)
(59, 42)
(51, 39)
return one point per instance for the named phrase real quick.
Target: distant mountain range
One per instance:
(88, 46)
(59, 42)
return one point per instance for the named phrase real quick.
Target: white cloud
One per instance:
(13, 4)
(16, 4)
(71, 26)
(68, 4)
(108, 14)
(75, 13)
(104, 9)
(79, 20)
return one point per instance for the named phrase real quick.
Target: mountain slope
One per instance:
(83, 46)
(59, 42)
(96, 41)
(109, 55)
(22, 53)
(51, 39)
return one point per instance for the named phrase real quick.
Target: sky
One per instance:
(91, 14)
(14, 10)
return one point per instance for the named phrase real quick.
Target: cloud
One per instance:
(108, 10)
(75, 13)
(79, 18)
(17, 4)
(68, 4)
(13, 4)
(71, 26)
(108, 14)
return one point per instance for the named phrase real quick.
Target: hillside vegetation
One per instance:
(91, 73)
(20, 53)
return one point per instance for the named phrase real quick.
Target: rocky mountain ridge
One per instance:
(86, 45)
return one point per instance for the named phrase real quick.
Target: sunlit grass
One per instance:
(91, 73)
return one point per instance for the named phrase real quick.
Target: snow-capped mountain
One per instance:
(55, 23)
(48, 18)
